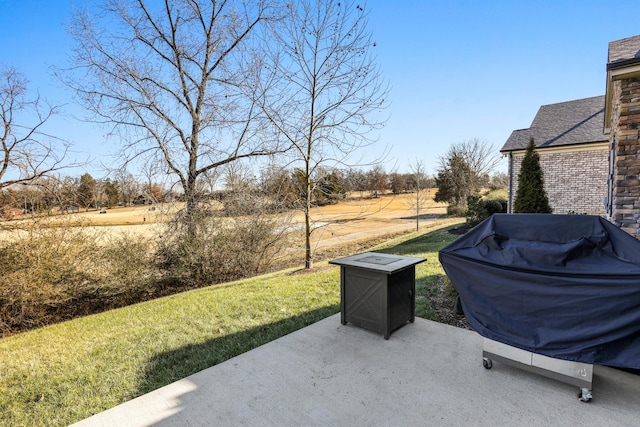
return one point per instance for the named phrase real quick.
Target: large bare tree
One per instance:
(328, 88)
(175, 80)
(27, 152)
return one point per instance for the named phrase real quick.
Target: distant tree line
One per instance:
(282, 188)
(52, 194)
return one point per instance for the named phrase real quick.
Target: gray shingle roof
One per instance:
(625, 49)
(566, 123)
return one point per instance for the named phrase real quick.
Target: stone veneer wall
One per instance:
(625, 124)
(575, 181)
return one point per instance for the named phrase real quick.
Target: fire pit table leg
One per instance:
(343, 311)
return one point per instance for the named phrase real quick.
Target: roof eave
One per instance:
(619, 70)
(578, 145)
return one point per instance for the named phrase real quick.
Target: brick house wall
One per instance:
(625, 133)
(575, 180)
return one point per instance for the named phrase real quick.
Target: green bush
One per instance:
(476, 210)
(495, 206)
(479, 209)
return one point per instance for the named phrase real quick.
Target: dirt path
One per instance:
(340, 234)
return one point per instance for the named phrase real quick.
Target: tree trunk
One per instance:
(190, 206)
(418, 209)
(308, 255)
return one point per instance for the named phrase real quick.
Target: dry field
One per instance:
(335, 225)
(355, 220)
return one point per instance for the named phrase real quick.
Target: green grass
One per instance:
(66, 372)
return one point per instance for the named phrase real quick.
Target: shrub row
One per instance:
(55, 274)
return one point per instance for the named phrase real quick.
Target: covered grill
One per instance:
(562, 286)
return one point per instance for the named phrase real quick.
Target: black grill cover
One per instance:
(565, 286)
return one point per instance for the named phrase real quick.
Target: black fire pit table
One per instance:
(377, 291)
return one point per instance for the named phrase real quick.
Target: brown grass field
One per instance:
(334, 225)
(355, 220)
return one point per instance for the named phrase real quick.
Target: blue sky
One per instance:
(458, 70)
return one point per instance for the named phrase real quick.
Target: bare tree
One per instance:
(27, 153)
(421, 199)
(498, 181)
(357, 180)
(64, 190)
(278, 185)
(174, 79)
(208, 185)
(241, 188)
(480, 156)
(128, 185)
(52, 188)
(464, 170)
(377, 180)
(327, 87)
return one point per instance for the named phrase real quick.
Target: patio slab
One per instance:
(328, 374)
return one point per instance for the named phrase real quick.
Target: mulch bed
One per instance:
(460, 230)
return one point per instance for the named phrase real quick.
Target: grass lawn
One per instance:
(63, 373)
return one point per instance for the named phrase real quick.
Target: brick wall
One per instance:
(575, 181)
(625, 124)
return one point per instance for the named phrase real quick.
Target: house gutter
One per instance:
(510, 204)
(623, 63)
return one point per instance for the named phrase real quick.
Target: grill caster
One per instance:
(487, 363)
(585, 395)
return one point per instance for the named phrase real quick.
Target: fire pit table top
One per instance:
(376, 261)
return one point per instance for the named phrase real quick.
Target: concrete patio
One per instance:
(328, 374)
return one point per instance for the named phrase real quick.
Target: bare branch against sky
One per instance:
(324, 88)
(27, 152)
(174, 81)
